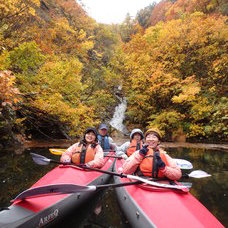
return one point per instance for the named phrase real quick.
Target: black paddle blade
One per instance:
(53, 189)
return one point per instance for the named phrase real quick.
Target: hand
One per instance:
(124, 156)
(66, 160)
(144, 150)
(87, 165)
(160, 162)
(83, 166)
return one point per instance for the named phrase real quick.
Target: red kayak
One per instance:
(148, 206)
(48, 209)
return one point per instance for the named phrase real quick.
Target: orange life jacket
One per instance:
(83, 154)
(148, 165)
(134, 145)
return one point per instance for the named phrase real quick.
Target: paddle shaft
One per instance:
(112, 156)
(58, 189)
(150, 182)
(89, 168)
(118, 185)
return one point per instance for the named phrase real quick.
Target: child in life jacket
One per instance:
(135, 143)
(152, 160)
(87, 151)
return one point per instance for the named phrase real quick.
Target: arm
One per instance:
(172, 171)
(98, 161)
(113, 145)
(67, 155)
(122, 150)
(132, 163)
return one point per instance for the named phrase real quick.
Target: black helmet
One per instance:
(89, 129)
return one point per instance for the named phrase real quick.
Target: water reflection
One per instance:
(18, 172)
(102, 211)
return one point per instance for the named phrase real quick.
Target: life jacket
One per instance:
(148, 166)
(104, 142)
(134, 145)
(83, 154)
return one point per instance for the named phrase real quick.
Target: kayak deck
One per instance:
(153, 207)
(43, 210)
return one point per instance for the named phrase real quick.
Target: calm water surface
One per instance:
(18, 172)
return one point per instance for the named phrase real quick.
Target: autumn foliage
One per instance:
(176, 75)
(171, 61)
(58, 65)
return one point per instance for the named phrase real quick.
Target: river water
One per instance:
(18, 172)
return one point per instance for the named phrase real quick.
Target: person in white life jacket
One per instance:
(87, 151)
(105, 141)
(151, 160)
(135, 143)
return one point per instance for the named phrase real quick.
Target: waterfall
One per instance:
(119, 115)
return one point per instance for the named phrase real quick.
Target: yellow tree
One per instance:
(173, 67)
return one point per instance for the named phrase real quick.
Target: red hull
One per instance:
(44, 210)
(148, 207)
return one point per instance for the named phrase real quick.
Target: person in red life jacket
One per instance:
(105, 141)
(87, 151)
(151, 160)
(135, 143)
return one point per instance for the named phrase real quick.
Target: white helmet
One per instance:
(136, 130)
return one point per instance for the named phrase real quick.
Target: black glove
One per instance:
(144, 150)
(160, 163)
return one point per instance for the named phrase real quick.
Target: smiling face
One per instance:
(152, 140)
(137, 137)
(103, 132)
(90, 137)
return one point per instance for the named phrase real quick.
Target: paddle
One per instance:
(60, 151)
(56, 189)
(197, 174)
(57, 151)
(183, 164)
(41, 160)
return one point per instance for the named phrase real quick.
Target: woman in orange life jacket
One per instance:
(152, 160)
(135, 143)
(87, 151)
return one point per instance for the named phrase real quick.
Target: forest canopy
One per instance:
(61, 70)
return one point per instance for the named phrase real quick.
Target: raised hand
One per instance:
(144, 150)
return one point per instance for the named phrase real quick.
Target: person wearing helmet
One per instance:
(87, 151)
(151, 160)
(135, 143)
(105, 141)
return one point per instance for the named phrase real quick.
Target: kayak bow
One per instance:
(51, 208)
(148, 206)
